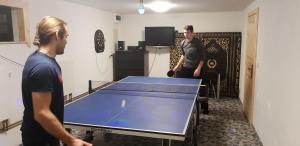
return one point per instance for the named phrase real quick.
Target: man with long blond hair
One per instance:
(42, 88)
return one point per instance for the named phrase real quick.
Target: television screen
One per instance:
(159, 36)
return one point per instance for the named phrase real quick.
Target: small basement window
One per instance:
(6, 31)
(13, 22)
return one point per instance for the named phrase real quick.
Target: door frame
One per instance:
(248, 103)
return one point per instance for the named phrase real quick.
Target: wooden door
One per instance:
(252, 32)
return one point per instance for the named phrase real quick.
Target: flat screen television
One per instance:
(159, 36)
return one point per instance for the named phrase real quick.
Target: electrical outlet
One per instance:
(65, 97)
(4, 125)
(70, 97)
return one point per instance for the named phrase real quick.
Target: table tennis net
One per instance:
(147, 87)
(96, 85)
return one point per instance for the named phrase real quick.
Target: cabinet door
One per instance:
(128, 63)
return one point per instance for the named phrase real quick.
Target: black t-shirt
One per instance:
(193, 52)
(41, 73)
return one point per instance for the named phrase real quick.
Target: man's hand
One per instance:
(197, 72)
(177, 68)
(78, 142)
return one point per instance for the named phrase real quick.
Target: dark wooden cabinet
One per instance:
(129, 63)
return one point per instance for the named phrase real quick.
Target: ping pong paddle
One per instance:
(170, 73)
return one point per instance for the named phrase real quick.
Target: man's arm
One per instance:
(178, 66)
(198, 69)
(202, 55)
(181, 60)
(43, 115)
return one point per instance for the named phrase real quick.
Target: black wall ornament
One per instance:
(99, 41)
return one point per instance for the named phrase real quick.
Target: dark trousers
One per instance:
(189, 73)
(186, 73)
(41, 143)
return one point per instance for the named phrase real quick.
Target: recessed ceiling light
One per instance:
(160, 6)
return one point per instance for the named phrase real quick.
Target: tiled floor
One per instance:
(226, 125)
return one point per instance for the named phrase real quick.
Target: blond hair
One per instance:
(46, 28)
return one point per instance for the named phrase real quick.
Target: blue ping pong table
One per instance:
(140, 106)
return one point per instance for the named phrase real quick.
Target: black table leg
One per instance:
(197, 112)
(166, 142)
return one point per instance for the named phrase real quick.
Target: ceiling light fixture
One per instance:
(160, 6)
(141, 7)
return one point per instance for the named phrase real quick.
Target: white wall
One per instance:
(80, 57)
(276, 100)
(11, 138)
(131, 30)
(79, 63)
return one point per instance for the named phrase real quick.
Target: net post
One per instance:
(90, 87)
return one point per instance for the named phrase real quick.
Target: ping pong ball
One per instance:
(123, 103)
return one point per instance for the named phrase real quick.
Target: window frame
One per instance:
(19, 19)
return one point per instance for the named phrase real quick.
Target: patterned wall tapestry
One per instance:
(223, 53)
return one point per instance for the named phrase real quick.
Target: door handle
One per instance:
(250, 69)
